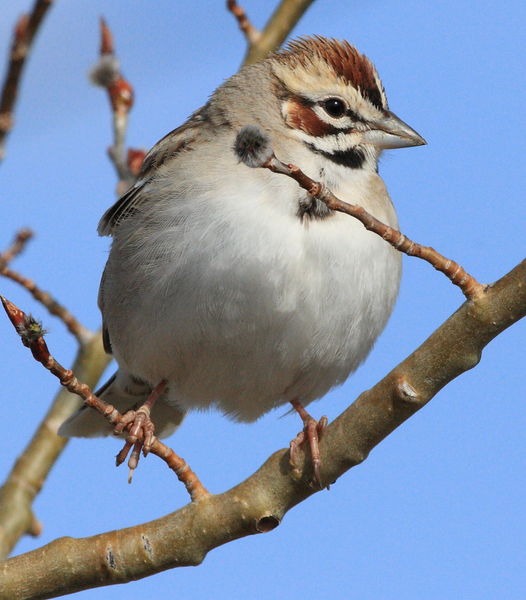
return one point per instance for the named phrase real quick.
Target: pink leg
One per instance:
(140, 429)
(312, 433)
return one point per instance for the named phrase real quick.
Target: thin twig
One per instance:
(23, 36)
(107, 74)
(31, 333)
(54, 307)
(17, 247)
(470, 287)
(251, 33)
(254, 148)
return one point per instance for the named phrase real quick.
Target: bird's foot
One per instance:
(140, 430)
(312, 433)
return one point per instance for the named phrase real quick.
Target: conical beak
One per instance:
(392, 132)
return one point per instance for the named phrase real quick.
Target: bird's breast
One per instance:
(245, 306)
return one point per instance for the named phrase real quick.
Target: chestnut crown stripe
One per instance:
(347, 63)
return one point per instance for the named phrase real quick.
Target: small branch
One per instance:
(278, 27)
(23, 36)
(251, 33)
(17, 247)
(106, 73)
(253, 147)
(470, 287)
(31, 333)
(258, 504)
(81, 333)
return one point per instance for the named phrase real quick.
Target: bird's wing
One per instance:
(178, 140)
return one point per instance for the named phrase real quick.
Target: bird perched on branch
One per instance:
(231, 287)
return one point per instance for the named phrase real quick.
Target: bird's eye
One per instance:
(334, 107)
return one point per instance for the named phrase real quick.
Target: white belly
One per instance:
(249, 309)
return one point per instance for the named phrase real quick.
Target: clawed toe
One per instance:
(312, 433)
(140, 431)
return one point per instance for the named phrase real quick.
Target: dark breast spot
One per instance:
(312, 208)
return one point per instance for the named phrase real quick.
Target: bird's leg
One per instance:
(312, 432)
(140, 429)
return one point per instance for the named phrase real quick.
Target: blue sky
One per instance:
(437, 511)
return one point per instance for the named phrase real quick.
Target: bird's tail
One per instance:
(124, 393)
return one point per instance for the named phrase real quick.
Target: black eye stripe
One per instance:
(307, 102)
(354, 116)
(332, 130)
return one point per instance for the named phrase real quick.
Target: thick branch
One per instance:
(23, 36)
(258, 504)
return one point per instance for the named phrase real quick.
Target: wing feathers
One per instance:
(124, 206)
(166, 149)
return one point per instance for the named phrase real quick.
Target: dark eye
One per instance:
(334, 107)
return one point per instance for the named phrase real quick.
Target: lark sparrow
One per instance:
(230, 283)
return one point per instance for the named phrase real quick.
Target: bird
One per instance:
(229, 287)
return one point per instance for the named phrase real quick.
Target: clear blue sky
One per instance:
(437, 511)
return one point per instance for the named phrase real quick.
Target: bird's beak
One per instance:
(392, 132)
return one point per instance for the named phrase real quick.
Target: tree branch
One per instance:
(23, 36)
(50, 303)
(15, 503)
(81, 333)
(18, 245)
(254, 148)
(106, 73)
(278, 27)
(251, 33)
(32, 336)
(29, 473)
(258, 504)
(470, 287)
